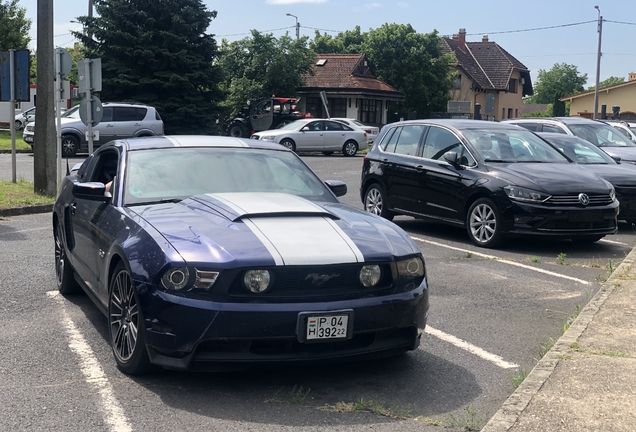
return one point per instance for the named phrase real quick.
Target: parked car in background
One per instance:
(621, 176)
(119, 121)
(627, 128)
(372, 131)
(320, 135)
(22, 119)
(223, 250)
(613, 142)
(494, 179)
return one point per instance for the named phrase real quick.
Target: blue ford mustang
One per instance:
(204, 249)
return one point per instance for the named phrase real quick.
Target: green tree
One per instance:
(262, 65)
(347, 42)
(607, 82)
(14, 26)
(158, 53)
(562, 80)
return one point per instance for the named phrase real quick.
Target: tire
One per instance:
(238, 130)
(125, 325)
(18, 125)
(350, 148)
(288, 143)
(375, 202)
(587, 240)
(70, 146)
(483, 223)
(327, 153)
(65, 275)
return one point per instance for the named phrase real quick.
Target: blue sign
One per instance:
(21, 69)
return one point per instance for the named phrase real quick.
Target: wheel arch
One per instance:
(474, 197)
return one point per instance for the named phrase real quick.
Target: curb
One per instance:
(513, 407)
(19, 211)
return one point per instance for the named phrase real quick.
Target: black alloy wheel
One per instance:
(125, 324)
(18, 125)
(375, 202)
(288, 143)
(237, 130)
(350, 148)
(65, 276)
(70, 146)
(483, 223)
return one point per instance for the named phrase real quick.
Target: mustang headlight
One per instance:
(411, 268)
(370, 275)
(185, 278)
(257, 281)
(517, 193)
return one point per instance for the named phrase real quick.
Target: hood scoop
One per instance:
(238, 205)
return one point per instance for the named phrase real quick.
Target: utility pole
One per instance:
(297, 25)
(44, 149)
(598, 60)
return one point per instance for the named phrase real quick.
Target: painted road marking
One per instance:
(501, 260)
(93, 373)
(470, 348)
(614, 242)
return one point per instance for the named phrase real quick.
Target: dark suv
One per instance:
(494, 179)
(120, 121)
(612, 141)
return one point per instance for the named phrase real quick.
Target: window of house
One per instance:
(509, 112)
(503, 113)
(457, 84)
(512, 86)
(369, 110)
(314, 106)
(338, 107)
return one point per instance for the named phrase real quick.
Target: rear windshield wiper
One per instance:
(161, 201)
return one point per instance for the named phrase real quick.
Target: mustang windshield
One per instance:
(507, 145)
(169, 173)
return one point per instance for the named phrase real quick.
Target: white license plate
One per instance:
(327, 327)
(28, 138)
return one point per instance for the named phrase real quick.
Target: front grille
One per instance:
(564, 225)
(595, 200)
(318, 282)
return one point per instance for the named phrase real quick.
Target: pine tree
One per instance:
(157, 52)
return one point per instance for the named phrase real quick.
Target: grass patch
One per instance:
(296, 396)
(534, 259)
(610, 353)
(5, 141)
(568, 322)
(518, 378)
(561, 258)
(469, 421)
(369, 405)
(468, 255)
(20, 194)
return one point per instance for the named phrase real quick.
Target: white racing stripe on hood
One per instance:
(244, 203)
(304, 240)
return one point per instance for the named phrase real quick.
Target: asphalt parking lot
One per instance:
(491, 313)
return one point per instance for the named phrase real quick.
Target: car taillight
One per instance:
(365, 134)
(368, 131)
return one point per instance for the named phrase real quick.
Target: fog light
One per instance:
(257, 281)
(370, 275)
(523, 219)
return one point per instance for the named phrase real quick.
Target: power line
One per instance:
(620, 22)
(260, 31)
(532, 29)
(327, 30)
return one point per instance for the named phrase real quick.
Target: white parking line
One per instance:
(513, 263)
(614, 242)
(93, 373)
(470, 348)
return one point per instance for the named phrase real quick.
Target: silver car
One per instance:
(119, 121)
(372, 131)
(321, 135)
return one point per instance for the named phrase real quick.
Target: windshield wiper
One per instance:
(161, 201)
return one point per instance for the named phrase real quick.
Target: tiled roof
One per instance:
(488, 64)
(345, 71)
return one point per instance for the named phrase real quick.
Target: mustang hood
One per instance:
(554, 179)
(259, 229)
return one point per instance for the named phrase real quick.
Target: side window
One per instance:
(389, 140)
(315, 126)
(108, 114)
(263, 107)
(335, 126)
(534, 127)
(409, 140)
(553, 129)
(439, 141)
(105, 169)
(129, 114)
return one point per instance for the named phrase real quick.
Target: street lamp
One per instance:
(598, 60)
(297, 25)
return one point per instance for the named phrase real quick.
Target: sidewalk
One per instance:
(587, 381)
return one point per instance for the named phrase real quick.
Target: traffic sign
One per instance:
(89, 72)
(66, 62)
(97, 111)
(21, 65)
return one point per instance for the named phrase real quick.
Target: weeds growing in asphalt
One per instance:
(469, 421)
(561, 258)
(469, 255)
(518, 378)
(296, 396)
(534, 259)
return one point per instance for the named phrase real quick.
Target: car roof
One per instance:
(459, 124)
(168, 141)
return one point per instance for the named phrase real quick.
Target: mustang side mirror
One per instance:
(339, 188)
(93, 191)
(451, 158)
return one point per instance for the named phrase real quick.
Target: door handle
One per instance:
(419, 167)
(110, 125)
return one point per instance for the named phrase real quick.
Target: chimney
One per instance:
(462, 39)
(455, 36)
(631, 76)
(484, 38)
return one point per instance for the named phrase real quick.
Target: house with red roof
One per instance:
(351, 87)
(487, 75)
